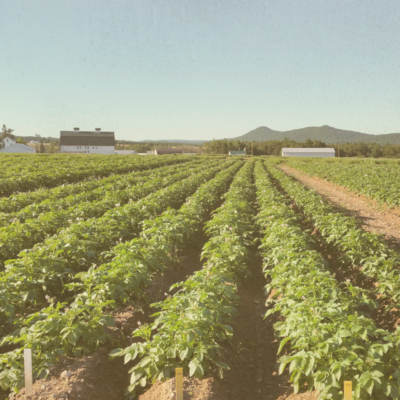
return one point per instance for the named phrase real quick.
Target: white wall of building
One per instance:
(8, 142)
(88, 149)
(304, 154)
(323, 152)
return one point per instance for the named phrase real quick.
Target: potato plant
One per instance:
(191, 324)
(18, 201)
(326, 334)
(42, 271)
(75, 169)
(79, 327)
(24, 235)
(379, 182)
(155, 249)
(87, 192)
(355, 246)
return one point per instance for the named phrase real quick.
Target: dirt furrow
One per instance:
(253, 373)
(375, 217)
(96, 377)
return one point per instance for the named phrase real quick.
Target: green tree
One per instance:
(6, 133)
(52, 147)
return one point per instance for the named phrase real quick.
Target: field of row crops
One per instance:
(373, 178)
(92, 235)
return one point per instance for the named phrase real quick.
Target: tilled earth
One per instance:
(253, 360)
(375, 217)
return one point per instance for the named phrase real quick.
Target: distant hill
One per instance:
(326, 134)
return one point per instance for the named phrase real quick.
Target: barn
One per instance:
(87, 142)
(308, 152)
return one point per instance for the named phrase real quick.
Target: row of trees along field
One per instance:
(147, 146)
(274, 147)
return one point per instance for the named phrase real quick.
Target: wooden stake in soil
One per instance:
(179, 383)
(28, 372)
(348, 388)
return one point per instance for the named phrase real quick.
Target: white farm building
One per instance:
(308, 152)
(9, 145)
(87, 142)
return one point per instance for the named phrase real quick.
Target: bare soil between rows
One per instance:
(96, 377)
(253, 358)
(253, 373)
(375, 217)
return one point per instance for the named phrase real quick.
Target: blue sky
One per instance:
(157, 69)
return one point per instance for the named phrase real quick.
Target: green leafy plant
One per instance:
(378, 181)
(192, 324)
(355, 247)
(27, 173)
(327, 336)
(78, 328)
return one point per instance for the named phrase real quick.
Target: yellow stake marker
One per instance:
(348, 388)
(179, 383)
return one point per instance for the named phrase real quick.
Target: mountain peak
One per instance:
(325, 133)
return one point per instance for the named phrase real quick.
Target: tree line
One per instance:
(274, 147)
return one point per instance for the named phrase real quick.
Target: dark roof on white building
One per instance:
(87, 138)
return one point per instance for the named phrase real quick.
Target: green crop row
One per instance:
(357, 248)
(79, 328)
(326, 334)
(42, 271)
(19, 236)
(17, 166)
(192, 323)
(159, 244)
(72, 163)
(39, 198)
(75, 171)
(379, 182)
(102, 188)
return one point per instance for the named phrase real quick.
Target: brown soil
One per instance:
(96, 377)
(193, 389)
(375, 217)
(253, 360)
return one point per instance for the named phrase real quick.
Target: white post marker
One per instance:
(28, 372)
(179, 383)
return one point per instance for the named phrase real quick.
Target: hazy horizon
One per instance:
(198, 70)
